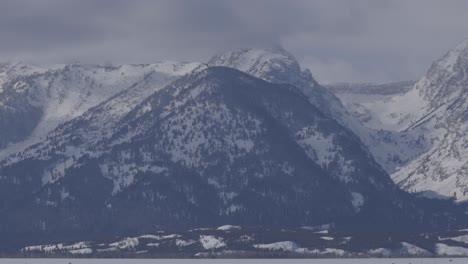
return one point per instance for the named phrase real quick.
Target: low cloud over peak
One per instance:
(358, 41)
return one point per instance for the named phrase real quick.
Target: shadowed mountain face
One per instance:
(390, 149)
(278, 66)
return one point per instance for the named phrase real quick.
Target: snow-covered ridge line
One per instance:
(47, 96)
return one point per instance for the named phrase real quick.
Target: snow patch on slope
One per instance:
(283, 245)
(445, 250)
(357, 201)
(211, 242)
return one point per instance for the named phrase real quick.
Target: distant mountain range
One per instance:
(248, 138)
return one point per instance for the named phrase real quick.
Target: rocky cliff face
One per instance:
(443, 119)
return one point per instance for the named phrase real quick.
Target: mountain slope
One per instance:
(434, 111)
(443, 118)
(36, 99)
(370, 102)
(389, 148)
(278, 66)
(215, 146)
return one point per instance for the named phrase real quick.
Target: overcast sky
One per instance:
(342, 40)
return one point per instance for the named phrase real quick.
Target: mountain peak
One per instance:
(276, 65)
(273, 65)
(455, 57)
(447, 78)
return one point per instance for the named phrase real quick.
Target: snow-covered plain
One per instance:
(234, 261)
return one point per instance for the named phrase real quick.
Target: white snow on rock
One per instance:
(462, 239)
(445, 250)
(82, 251)
(43, 248)
(184, 243)
(385, 252)
(228, 227)
(283, 245)
(64, 92)
(126, 243)
(212, 242)
(170, 236)
(103, 250)
(76, 248)
(419, 135)
(410, 249)
(154, 237)
(440, 171)
(318, 147)
(357, 201)
(132, 242)
(323, 252)
(321, 229)
(404, 249)
(153, 244)
(322, 232)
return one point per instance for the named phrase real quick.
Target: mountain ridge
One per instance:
(434, 110)
(211, 144)
(152, 173)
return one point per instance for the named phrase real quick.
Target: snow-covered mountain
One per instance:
(435, 111)
(214, 146)
(211, 143)
(278, 66)
(35, 99)
(189, 145)
(440, 112)
(389, 148)
(397, 131)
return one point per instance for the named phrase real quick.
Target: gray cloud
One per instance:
(367, 41)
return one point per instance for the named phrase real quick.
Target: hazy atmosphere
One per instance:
(234, 129)
(355, 41)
